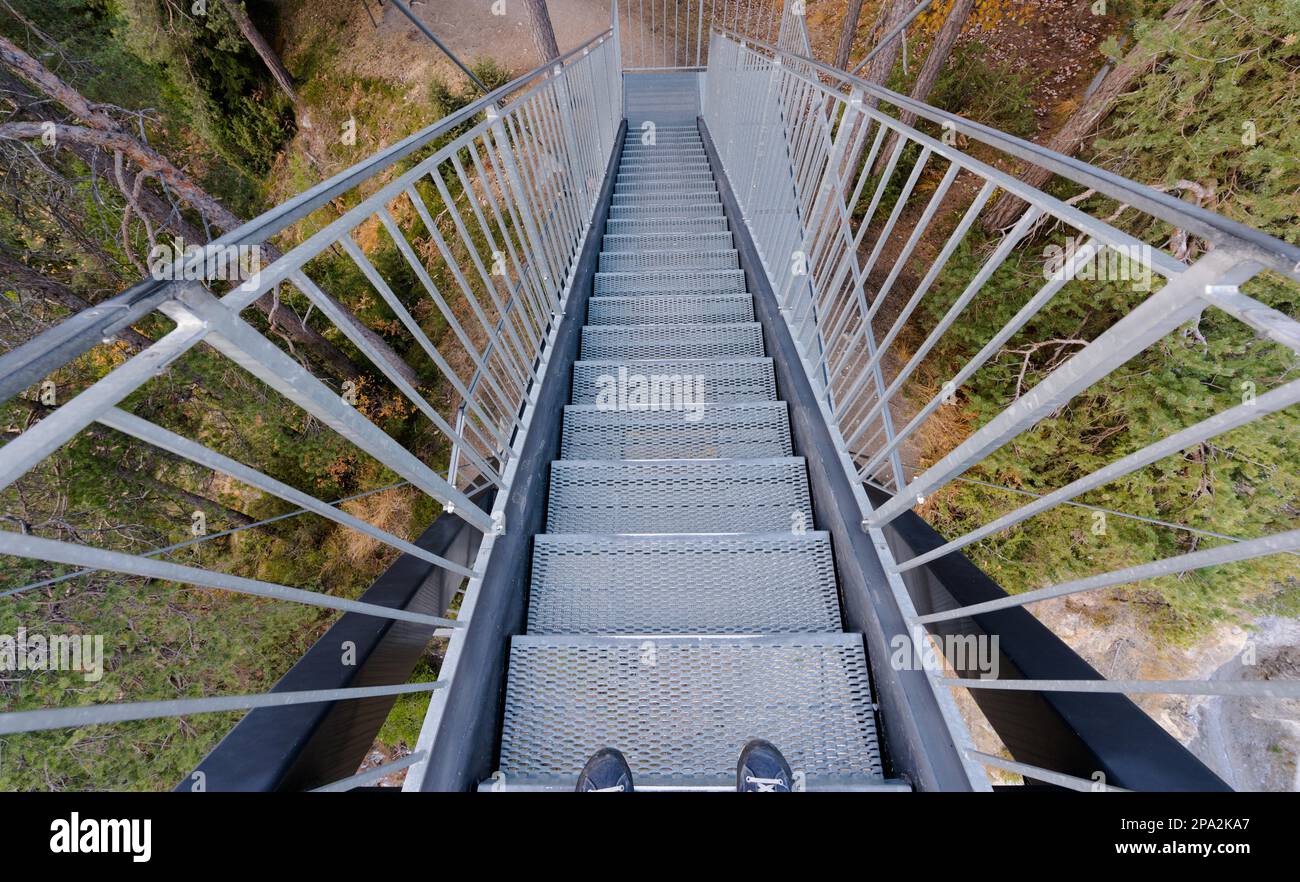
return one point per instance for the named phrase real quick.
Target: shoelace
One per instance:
(765, 785)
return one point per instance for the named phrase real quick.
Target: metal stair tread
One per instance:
(681, 707)
(725, 379)
(747, 584)
(636, 309)
(678, 495)
(727, 431)
(672, 339)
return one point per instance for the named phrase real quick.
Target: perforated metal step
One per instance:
(631, 261)
(668, 242)
(660, 132)
(638, 309)
(681, 708)
(724, 380)
(750, 429)
(654, 162)
(672, 209)
(678, 496)
(657, 196)
(665, 153)
(643, 170)
(740, 340)
(775, 583)
(662, 159)
(683, 281)
(634, 182)
(663, 133)
(663, 143)
(673, 225)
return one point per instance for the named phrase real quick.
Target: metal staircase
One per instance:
(679, 606)
(679, 513)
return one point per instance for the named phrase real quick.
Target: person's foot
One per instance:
(762, 769)
(606, 772)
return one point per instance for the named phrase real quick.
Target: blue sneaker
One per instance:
(762, 769)
(606, 772)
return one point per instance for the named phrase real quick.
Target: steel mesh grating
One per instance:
(632, 261)
(678, 496)
(672, 341)
(715, 431)
(682, 708)
(684, 281)
(664, 132)
(760, 583)
(683, 209)
(656, 159)
(663, 195)
(649, 309)
(668, 241)
(665, 154)
(677, 226)
(662, 138)
(640, 182)
(724, 380)
(644, 168)
(664, 143)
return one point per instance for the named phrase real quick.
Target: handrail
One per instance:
(27, 364)
(804, 145)
(1270, 251)
(504, 260)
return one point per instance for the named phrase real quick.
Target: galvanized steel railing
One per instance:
(667, 35)
(503, 207)
(813, 156)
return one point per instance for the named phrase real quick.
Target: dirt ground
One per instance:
(383, 42)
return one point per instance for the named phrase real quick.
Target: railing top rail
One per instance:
(34, 360)
(1268, 251)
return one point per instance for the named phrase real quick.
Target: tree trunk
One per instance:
(20, 275)
(263, 50)
(848, 33)
(890, 15)
(1080, 126)
(539, 22)
(284, 321)
(38, 75)
(931, 67)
